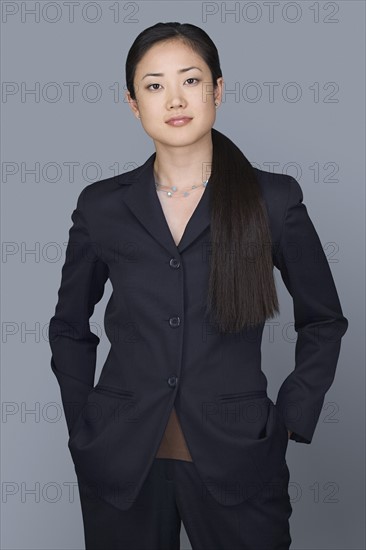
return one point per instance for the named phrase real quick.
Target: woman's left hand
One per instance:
(289, 433)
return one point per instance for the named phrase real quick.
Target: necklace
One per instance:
(173, 189)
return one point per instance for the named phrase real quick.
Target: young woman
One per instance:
(179, 427)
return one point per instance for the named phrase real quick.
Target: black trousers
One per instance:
(173, 493)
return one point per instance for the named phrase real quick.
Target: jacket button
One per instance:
(172, 381)
(174, 322)
(174, 263)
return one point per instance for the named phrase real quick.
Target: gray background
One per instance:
(39, 508)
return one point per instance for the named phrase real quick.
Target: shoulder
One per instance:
(106, 187)
(275, 187)
(279, 192)
(107, 191)
(278, 189)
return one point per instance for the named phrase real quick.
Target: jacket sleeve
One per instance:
(319, 321)
(72, 343)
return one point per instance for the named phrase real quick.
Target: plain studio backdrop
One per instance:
(293, 102)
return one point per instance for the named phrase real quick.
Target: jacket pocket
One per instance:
(241, 396)
(113, 391)
(100, 410)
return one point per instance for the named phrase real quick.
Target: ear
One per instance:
(132, 103)
(218, 90)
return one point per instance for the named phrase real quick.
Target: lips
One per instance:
(178, 120)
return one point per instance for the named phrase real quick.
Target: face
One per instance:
(189, 93)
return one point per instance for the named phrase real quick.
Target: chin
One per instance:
(179, 136)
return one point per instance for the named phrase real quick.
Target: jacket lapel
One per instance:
(141, 198)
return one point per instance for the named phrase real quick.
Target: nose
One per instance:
(175, 100)
(178, 103)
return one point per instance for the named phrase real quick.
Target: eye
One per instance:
(148, 87)
(156, 84)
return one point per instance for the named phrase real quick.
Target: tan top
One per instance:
(173, 443)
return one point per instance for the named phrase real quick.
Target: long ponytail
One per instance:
(241, 289)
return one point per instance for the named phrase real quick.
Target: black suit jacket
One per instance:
(164, 350)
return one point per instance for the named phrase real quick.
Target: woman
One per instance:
(179, 427)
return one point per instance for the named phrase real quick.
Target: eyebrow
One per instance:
(179, 72)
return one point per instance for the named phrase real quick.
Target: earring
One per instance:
(216, 104)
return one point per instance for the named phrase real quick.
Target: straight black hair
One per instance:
(241, 290)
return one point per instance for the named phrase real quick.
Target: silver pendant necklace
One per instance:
(172, 190)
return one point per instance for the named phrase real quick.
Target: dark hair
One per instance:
(241, 289)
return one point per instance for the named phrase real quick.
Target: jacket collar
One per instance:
(141, 198)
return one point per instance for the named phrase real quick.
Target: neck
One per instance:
(183, 166)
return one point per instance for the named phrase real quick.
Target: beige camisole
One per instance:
(173, 443)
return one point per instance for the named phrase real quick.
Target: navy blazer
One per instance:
(164, 350)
